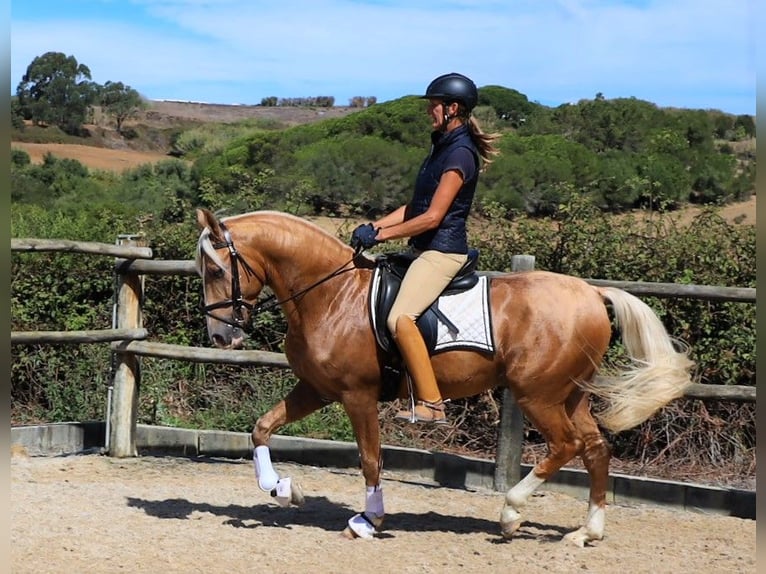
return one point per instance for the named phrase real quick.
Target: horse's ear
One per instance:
(205, 218)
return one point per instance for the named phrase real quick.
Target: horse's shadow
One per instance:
(320, 512)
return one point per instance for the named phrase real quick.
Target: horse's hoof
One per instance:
(288, 492)
(580, 537)
(510, 521)
(296, 494)
(363, 526)
(348, 534)
(508, 530)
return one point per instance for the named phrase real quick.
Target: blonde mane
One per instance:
(205, 247)
(291, 232)
(322, 240)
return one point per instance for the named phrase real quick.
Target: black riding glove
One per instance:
(364, 236)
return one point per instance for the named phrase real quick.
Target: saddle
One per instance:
(386, 281)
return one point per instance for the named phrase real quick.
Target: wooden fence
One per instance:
(128, 341)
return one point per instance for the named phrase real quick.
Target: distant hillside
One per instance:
(153, 129)
(623, 153)
(164, 112)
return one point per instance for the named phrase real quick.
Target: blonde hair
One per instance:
(484, 142)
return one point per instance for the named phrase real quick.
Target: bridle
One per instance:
(237, 301)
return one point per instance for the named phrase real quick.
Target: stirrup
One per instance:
(424, 412)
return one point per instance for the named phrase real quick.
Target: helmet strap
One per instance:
(446, 118)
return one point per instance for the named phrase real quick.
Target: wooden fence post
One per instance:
(510, 434)
(127, 372)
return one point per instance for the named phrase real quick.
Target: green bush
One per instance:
(19, 158)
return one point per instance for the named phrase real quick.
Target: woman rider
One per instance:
(435, 221)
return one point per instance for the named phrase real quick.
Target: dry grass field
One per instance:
(161, 113)
(95, 158)
(108, 151)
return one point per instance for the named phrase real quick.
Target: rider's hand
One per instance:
(364, 236)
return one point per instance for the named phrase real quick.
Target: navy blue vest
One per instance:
(451, 236)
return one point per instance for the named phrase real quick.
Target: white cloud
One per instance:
(669, 52)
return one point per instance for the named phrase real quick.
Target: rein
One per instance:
(237, 302)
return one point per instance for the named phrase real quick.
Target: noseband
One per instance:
(237, 302)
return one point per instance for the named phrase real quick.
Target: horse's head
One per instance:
(230, 283)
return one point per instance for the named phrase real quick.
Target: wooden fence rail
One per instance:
(89, 247)
(79, 337)
(133, 262)
(202, 354)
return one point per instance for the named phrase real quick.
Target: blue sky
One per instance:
(696, 54)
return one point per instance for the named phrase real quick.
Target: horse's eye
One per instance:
(217, 273)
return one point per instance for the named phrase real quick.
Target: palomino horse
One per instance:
(551, 333)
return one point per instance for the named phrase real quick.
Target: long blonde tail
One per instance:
(657, 373)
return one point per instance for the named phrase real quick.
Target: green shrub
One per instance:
(19, 157)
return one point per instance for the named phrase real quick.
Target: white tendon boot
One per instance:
(264, 471)
(282, 489)
(365, 524)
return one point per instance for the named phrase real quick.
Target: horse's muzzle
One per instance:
(232, 338)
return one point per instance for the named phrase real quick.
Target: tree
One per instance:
(17, 114)
(510, 105)
(747, 123)
(362, 101)
(120, 102)
(698, 128)
(713, 179)
(618, 186)
(667, 178)
(56, 90)
(723, 124)
(601, 124)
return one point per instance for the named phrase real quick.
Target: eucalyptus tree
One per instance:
(120, 102)
(56, 90)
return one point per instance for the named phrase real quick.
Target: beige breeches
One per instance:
(424, 281)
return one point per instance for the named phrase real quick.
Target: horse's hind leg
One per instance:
(595, 455)
(563, 444)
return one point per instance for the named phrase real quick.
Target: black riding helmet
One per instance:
(454, 87)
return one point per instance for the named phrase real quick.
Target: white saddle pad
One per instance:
(469, 311)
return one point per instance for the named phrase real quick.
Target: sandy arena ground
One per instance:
(95, 514)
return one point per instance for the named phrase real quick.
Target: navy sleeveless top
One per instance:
(448, 151)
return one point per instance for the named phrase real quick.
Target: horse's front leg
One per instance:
(362, 411)
(301, 401)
